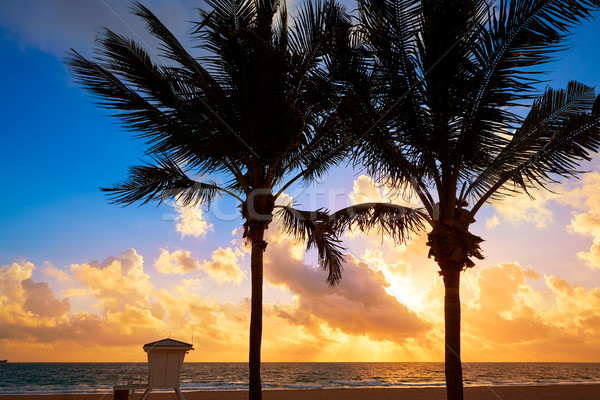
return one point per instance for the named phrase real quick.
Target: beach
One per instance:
(557, 392)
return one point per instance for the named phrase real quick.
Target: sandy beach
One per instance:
(563, 392)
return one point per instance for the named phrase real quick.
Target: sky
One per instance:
(84, 280)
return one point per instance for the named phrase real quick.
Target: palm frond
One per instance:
(135, 111)
(394, 220)
(310, 227)
(562, 154)
(322, 230)
(557, 134)
(315, 28)
(516, 36)
(158, 182)
(166, 114)
(172, 49)
(391, 31)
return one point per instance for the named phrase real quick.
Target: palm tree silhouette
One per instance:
(441, 82)
(258, 108)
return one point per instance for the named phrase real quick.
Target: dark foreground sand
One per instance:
(566, 392)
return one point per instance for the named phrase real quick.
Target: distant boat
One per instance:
(3, 361)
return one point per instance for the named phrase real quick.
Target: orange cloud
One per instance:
(131, 311)
(359, 305)
(40, 299)
(31, 313)
(508, 320)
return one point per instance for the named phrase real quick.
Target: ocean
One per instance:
(65, 378)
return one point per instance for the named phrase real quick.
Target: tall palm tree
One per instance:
(256, 108)
(441, 83)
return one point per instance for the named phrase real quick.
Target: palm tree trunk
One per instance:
(453, 367)
(256, 268)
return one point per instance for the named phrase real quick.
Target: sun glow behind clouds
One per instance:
(398, 277)
(388, 307)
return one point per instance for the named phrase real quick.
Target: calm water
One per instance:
(30, 378)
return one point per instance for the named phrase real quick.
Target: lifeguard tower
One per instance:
(165, 358)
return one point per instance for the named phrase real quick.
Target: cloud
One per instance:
(387, 307)
(365, 189)
(575, 308)
(188, 311)
(40, 299)
(125, 310)
(52, 271)
(191, 221)
(492, 222)
(116, 281)
(30, 311)
(520, 209)
(507, 319)
(588, 224)
(75, 292)
(584, 196)
(358, 306)
(54, 26)
(11, 278)
(225, 264)
(374, 258)
(177, 262)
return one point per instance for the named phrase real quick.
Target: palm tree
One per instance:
(441, 83)
(257, 109)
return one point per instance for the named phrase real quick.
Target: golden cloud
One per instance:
(225, 264)
(388, 307)
(10, 281)
(177, 262)
(30, 311)
(117, 281)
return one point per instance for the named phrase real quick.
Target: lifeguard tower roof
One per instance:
(168, 344)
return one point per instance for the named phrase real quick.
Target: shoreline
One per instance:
(547, 392)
